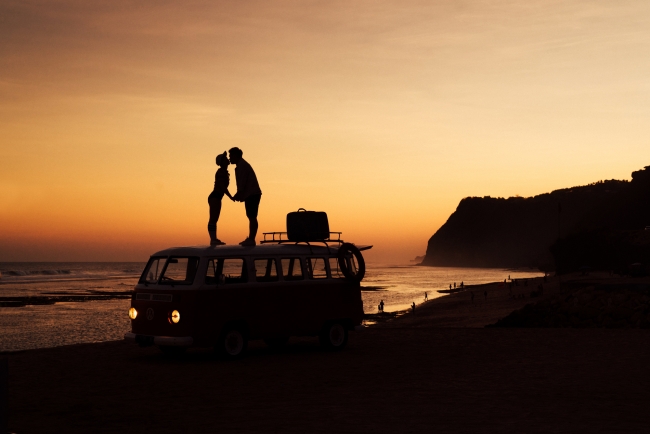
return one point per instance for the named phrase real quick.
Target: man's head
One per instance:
(222, 160)
(235, 155)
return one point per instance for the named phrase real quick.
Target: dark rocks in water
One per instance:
(52, 299)
(600, 306)
(519, 232)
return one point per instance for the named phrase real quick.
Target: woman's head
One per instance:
(222, 160)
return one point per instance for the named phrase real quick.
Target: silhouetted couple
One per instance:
(248, 191)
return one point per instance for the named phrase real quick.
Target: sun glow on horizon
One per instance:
(383, 115)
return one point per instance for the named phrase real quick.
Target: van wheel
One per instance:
(232, 344)
(334, 336)
(277, 342)
(172, 351)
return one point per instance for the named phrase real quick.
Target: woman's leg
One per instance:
(215, 210)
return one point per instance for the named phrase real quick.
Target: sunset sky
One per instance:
(384, 114)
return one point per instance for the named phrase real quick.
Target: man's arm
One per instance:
(241, 177)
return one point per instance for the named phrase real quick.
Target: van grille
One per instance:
(154, 297)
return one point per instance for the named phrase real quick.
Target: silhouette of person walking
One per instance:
(426, 296)
(413, 306)
(381, 306)
(248, 191)
(221, 182)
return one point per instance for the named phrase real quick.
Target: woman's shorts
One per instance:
(215, 197)
(252, 204)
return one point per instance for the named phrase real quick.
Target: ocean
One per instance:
(91, 299)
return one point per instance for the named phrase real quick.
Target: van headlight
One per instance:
(133, 313)
(175, 316)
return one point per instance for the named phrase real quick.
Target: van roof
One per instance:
(258, 250)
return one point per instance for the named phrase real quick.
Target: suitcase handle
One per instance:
(304, 210)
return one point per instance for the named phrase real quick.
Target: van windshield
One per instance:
(179, 271)
(152, 271)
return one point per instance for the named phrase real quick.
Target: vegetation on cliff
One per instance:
(570, 228)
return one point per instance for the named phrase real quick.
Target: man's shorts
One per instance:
(252, 204)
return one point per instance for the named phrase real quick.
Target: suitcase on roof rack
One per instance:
(305, 225)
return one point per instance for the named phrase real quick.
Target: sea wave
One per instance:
(35, 272)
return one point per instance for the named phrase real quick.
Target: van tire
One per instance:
(172, 351)
(334, 336)
(277, 343)
(344, 250)
(233, 343)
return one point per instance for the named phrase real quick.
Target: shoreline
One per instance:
(438, 364)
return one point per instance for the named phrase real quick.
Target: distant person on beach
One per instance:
(413, 306)
(381, 306)
(450, 286)
(426, 296)
(462, 284)
(221, 182)
(454, 285)
(248, 191)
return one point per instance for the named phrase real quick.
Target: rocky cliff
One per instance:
(519, 232)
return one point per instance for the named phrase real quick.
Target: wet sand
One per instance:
(433, 371)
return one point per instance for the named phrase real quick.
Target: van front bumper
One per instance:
(169, 341)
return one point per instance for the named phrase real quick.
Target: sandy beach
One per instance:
(439, 369)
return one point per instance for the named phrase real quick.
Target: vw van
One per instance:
(224, 296)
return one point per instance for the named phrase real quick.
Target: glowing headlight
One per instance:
(175, 317)
(133, 313)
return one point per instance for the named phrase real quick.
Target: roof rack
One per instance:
(282, 238)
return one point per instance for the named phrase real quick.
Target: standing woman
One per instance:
(221, 181)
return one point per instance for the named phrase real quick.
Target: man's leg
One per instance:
(252, 227)
(252, 205)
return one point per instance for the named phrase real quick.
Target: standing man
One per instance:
(248, 191)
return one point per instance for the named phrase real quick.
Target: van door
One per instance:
(223, 296)
(316, 297)
(268, 318)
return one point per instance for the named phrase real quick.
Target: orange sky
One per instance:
(383, 114)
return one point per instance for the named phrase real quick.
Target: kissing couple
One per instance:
(248, 191)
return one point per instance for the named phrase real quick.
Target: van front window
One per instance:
(152, 270)
(179, 271)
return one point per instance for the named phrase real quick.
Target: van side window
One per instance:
(233, 270)
(266, 270)
(179, 271)
(317, 268)
(292, 269)
(335, 271)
